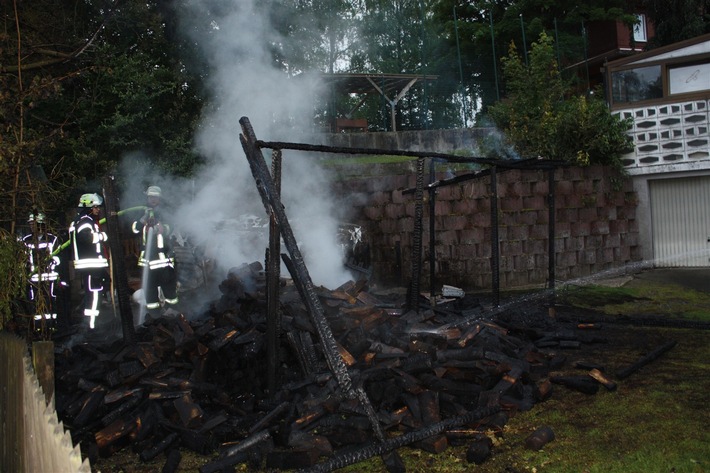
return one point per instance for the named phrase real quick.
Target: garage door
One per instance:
(680, 213)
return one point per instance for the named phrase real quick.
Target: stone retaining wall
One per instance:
(596, 227)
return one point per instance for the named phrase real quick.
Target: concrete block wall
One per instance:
(595, 224)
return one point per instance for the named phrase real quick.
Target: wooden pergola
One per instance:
(392, 87)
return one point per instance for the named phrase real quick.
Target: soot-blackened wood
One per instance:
(161, 446)
(90, 405)
(416, 256)
(393, 462)
(120, 410)
(172, 461)
(272, 203)
(120, 276)
(479, 450)
(541, 437)
(391, 444)
(291, 459)
(118, 429)
(190, 413)
(273, 266)
(582, 384)
(643, 361)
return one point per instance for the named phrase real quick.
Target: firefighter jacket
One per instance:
(87, 243)
(41, 264)
(156, 251)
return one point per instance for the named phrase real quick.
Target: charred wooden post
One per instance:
(273, 264)
(551, 238)
(297, 267)
(432, 231)
(644, 360)
(415, 283)
(119, 276)
(495, 249)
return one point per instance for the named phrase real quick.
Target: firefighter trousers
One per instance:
(94, 281)
(160, 279)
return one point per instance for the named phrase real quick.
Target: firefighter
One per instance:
(89, 256)
(156, 256)
(42, 267)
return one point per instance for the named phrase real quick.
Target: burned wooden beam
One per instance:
(644, 360)
(343, 460)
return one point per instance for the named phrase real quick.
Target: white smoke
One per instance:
(235, 37)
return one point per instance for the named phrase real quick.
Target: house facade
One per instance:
(665, 93)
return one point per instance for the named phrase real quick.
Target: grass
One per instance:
(648, 299)
(654, 422)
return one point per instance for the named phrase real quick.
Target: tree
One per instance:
(541, 117)
(402, 37)
(81, 84)
(677, 20)
(483, 30)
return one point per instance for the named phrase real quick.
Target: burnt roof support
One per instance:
(273, 266)
(299, 273)
(551, 235)
(495, 250)
(432, 231)
(118, 264)
(272, 203)
(414, 287)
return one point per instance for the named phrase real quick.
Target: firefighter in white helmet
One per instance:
(156, 256)
(42, 267)
(90, 259)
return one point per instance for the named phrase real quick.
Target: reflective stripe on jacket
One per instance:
(40, 260)
(86, 238)
(155, 249)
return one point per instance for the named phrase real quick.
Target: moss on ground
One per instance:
(647, 299)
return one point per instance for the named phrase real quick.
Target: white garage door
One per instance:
(680, 213)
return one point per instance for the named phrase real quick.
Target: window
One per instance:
(634, 85)
(686, 79)
(640, 29)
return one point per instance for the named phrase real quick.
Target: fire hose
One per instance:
(101, 222)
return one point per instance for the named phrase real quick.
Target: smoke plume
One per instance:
(220, 207)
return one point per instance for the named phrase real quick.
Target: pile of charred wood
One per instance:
(443, 375)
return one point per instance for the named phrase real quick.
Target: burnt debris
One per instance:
(197, 381)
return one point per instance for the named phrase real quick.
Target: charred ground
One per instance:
(195, 386)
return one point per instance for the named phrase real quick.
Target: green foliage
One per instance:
(81, 85)
(12, 263)
(484, 30)
(541, 117)
(677, 20)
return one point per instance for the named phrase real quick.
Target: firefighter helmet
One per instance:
(153, 191)
(90, 200)
(38, 217)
